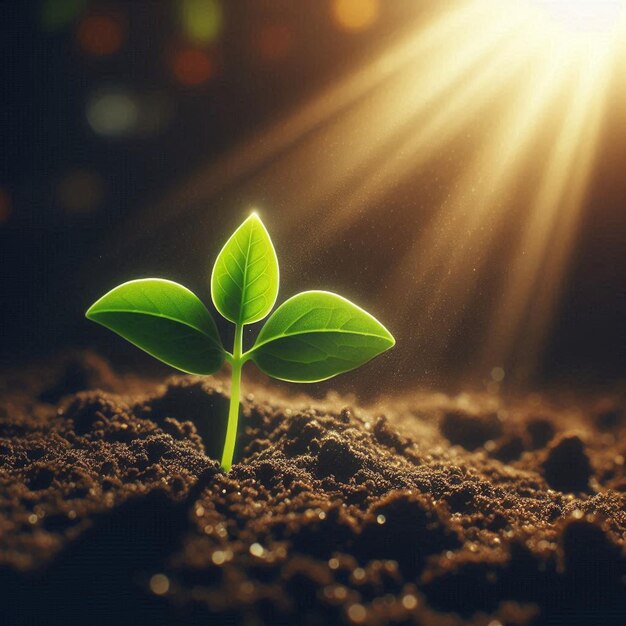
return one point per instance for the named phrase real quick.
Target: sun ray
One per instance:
(523, 316)
(483, 188)
(521, 90)
(259, 152)
(390, 113)
(497, 56)
(468, 223)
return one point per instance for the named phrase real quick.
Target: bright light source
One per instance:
(595, 16)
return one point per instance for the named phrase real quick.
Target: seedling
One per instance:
(311, 337)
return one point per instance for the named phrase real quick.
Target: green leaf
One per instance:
(164, 319)
(317, 335)
(244, 282)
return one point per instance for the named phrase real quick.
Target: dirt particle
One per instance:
(567, 467)
(337, 458)
(386, 436)
(303, 431)
(345, 415)
(469, 430)
(156, 447)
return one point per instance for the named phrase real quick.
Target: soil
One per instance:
(424, 509)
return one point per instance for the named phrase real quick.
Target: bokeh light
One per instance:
(192, 66)
(159, 584)
(113, 112)
(80, 191)
(57, 14)
(5, 206)
(101, 34)
(201, 20)
(274, 41)
(355, 15)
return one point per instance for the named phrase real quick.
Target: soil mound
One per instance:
(425, 509)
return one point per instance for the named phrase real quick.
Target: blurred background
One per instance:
(454, 166)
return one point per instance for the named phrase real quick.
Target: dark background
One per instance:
(56, 258)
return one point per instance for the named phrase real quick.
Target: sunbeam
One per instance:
(514, 91)
(527, 306)
(472, 218)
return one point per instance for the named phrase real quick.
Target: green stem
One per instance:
(233, 411)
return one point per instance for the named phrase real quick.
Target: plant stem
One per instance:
(233, 410)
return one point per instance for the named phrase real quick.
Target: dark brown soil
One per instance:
(427, 509)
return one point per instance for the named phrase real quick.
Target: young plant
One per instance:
(313, 336)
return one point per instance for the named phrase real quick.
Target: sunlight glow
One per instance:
(599, 16)
(486, 95)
